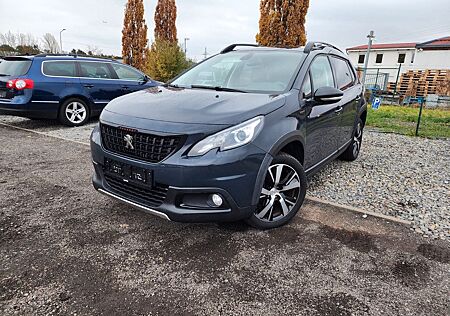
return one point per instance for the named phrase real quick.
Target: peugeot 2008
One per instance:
(233, 138)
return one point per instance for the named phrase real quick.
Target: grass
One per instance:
(435, 123)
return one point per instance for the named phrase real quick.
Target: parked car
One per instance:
(233, 138)
(65, 87)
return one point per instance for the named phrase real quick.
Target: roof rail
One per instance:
(46, 55)
(310, 46)
(233, 46)
(76, 56)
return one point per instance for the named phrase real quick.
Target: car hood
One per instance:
(194, 106)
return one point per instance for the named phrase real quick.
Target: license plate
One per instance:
(2, 94)
(129, 173)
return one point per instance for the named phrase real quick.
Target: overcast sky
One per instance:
(216, 23)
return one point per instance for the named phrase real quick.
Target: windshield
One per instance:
(14, 67)
(247, 71)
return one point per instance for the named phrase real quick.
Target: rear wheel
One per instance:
(74, 112)
(282, 195)
(352, 151)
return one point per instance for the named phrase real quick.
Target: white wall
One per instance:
(427, 59)
(432, 59)
(390, 60)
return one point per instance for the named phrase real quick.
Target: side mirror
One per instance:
(327, 95)
(146, 78)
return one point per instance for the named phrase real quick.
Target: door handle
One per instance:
(338, 110)
(125, 87)
(88, 86)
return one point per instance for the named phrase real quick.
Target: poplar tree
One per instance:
(166, 59)
(165, 19)
(134, 35)
(282, 23)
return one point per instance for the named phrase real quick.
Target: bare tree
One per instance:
(50, 44)
(96, 51)
(26, 39)
(8, 39)
(19, 39)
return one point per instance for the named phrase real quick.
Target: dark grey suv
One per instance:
(234, 137)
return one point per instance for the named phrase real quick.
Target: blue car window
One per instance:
(95, 70)
(127, 73)
(59, 68)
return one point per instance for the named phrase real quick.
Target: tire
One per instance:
(353, 149)
(277, 206)
(74, 112)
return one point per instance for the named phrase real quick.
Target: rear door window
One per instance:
(127, 73)
(95, 70)
(14, 67)
(321, 73)
(59, 68)
(343, 73)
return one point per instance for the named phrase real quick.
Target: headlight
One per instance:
(230, 138)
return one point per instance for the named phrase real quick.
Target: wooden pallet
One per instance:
(421, 83)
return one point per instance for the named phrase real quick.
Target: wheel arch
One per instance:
(363, 117)
(292, 144)
(75, 96)
(287, 143)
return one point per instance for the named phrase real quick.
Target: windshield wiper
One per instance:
(5, 75)
(172, 86)
(194, 86)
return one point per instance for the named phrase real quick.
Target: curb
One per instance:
(358, 210)
(44, 134)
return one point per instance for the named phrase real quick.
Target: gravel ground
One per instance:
(395, 175)
(52, 128)
(67, 250)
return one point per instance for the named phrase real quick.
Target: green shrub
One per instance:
(166, 60)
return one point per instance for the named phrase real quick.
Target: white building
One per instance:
(387, 58)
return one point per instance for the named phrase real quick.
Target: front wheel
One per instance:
(353, 149)
(282, 195)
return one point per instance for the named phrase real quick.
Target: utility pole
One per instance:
(371, 36)
(60, 40)
(205, 54)
(185, 44)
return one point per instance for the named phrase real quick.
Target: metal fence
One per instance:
(385, 83)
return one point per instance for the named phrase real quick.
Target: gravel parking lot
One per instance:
(67, 250)
(396, 175)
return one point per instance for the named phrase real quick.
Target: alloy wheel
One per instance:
(76, 112)
(280, 193)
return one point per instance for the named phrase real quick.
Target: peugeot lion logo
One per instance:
(128, 142)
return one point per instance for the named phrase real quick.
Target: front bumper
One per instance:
(235, 175)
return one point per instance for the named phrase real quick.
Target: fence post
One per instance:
(420, 116)
(396, 82)
(376, 78)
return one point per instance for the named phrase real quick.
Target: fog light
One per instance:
(216, 199)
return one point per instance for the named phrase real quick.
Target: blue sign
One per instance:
(376, 103)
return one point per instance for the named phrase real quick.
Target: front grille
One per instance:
(147, 147)
(154, 196)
